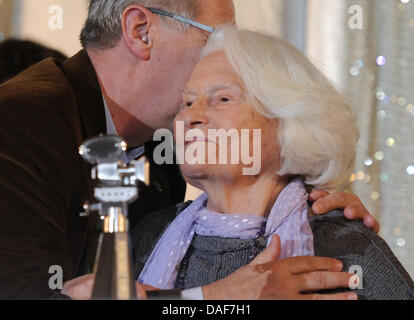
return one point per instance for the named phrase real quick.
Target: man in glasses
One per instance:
(128, 80)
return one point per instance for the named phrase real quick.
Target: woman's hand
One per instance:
(298, 278)
(350, 203)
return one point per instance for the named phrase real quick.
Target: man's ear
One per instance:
(136, 26)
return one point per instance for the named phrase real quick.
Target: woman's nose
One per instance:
(194, 117)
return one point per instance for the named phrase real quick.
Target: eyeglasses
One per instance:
(182, 19)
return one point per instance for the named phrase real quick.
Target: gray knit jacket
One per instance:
(213, 258)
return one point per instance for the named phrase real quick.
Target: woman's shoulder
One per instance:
(159, 219)
(149, 230)
(362, 251)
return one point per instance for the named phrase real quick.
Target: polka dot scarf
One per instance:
(288, 219)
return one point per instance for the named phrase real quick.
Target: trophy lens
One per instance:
(104, 149)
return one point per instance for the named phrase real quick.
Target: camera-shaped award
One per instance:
(116, 187)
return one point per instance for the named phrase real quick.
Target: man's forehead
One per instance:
(216, 12)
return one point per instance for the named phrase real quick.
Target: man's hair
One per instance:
(103, 27)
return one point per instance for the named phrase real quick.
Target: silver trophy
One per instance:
(116, 187)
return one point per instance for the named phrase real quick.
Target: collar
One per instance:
(111, 130)
(110, 126)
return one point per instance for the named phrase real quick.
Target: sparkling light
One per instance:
(354, 71)
(375, 195)
(390, 142)
(368, 162)
(401, 242)
(381, 114)
(359, 63)
(360, 175)
(384, 177)
(379, 155)
(410, 170)
(397, 232)
(381, 60)
(402, 101)
(381, 95)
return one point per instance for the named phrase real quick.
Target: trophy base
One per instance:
(114, 273)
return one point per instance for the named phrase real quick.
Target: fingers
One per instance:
(142, 290)
(336, 296)
(141, 293)
(355, 211)
(147, 287)
(373, 224)
(271, 253)
(80, 280)
(317, 194)
(358, 211)
(334, 201)
(310, 264)
(352, 205)
(79, 288)
(323, 280)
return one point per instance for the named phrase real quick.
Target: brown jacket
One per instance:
(46, 113)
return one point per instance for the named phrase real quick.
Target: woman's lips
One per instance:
(197, 139)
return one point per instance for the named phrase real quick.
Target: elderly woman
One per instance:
(249, 80)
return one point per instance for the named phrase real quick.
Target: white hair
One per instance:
(103, 25)
(318, 132)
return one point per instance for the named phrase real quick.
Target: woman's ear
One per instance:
(136, 26)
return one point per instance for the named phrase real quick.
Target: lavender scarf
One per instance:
(288, 219)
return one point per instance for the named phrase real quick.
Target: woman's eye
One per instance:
(224, 99)
(188, 104)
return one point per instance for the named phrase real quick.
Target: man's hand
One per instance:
(350, 203)
(81, 288)
(267, 278)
